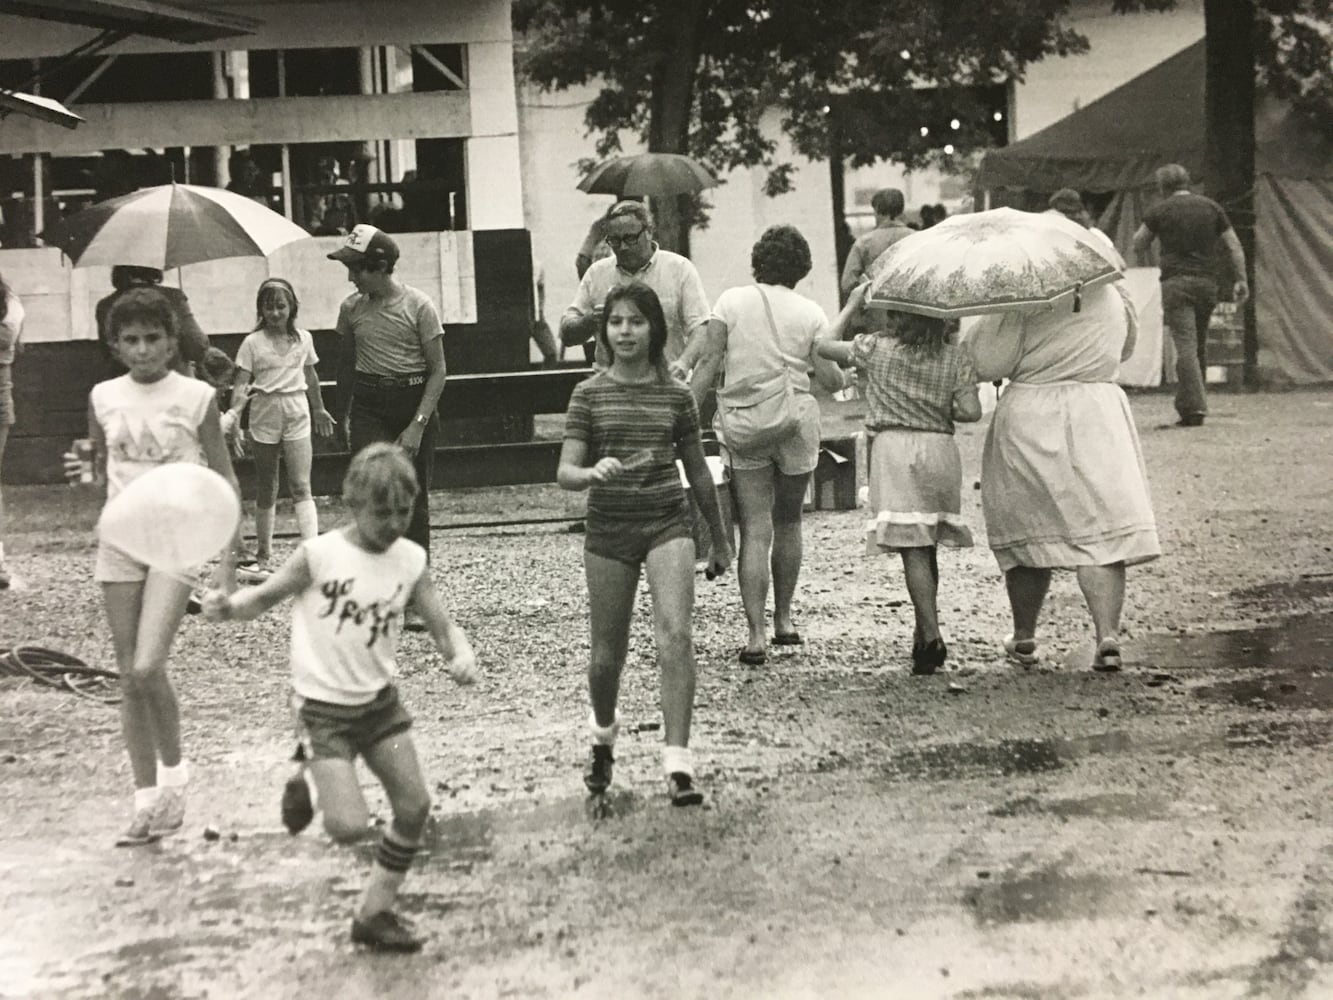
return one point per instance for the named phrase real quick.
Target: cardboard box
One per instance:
(833, 486)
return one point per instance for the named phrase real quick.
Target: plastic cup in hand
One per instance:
(173, 518)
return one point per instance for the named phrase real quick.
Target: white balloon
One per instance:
(173, 518)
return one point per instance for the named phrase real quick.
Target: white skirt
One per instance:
(916, 482)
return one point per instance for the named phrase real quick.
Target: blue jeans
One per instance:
(1187, 305)
(381, 414)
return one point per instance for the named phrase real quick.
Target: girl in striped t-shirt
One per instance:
(624, 430)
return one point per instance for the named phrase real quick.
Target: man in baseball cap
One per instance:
(366, 243)
(390, 365)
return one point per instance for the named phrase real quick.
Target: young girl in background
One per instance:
(917, 384)
(147, 417)
(623, 432)
(352, 587)
(275, 371)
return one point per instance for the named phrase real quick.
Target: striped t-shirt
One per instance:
(619, 420)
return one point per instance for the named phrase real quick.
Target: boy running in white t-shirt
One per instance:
(352, 587)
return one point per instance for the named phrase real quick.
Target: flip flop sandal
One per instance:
(787, 639)
(1022, 651)
(752, 659)
(1107, 660)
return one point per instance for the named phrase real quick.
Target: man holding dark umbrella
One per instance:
(629, 233)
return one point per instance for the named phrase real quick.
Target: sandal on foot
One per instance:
(1023, 651)
(792, 638)
(751, 658)
(1107, 660)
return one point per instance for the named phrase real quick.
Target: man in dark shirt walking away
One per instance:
(390, 365)
(1188, 227)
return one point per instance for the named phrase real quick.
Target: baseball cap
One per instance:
(365, 243)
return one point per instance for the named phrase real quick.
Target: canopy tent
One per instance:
(1117, 142)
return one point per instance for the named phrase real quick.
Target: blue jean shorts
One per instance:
(345, 732)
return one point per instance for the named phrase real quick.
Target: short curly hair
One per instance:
(781, 256)
(146, 305)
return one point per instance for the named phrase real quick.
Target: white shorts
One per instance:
(278, 417)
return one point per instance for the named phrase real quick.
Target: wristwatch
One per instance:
(422, 418)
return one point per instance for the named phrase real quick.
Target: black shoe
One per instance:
(680, 786)
(297, 809)
(385, 931)
(928, 658)
(598, 778)
(1191, 420)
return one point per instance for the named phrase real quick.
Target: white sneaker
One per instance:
(140, 831)
(168, 815)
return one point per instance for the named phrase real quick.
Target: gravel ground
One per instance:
(989, 832)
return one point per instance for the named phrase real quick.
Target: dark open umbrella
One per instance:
(648, 174)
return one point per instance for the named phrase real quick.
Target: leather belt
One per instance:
(389, 381)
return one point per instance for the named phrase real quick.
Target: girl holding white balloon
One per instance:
(149, 417)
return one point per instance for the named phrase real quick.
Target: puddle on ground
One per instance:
(1006, 757)
(1111, 805)
(1289, 689)
(1037, 897)
(1304, 642)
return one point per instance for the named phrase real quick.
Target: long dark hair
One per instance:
(4, 298)
(927, 334)
(646, 301)
(269, 289)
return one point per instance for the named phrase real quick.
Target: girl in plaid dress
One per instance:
(917, 384)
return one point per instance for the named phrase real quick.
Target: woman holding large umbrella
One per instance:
(1063, 484)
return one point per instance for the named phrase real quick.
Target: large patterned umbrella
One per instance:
(996, 261)
(171, 226)
(648, 174)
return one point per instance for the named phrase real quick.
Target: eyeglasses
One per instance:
(626, 240)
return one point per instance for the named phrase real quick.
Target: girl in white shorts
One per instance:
(275, 371)
(148, 417)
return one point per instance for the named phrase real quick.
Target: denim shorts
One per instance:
(629, 541)
(345, 732)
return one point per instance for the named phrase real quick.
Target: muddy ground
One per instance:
(987, 832)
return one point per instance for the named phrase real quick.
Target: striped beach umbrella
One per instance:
(171, 226)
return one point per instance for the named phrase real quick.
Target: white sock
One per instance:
(307, 518)
(604, 736)
(173, 777)
(677, 759)
(2, 551)
(144, 798)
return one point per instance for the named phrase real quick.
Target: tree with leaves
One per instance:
(852, 80)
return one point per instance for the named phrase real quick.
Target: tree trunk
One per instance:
(669, 115)
(842, 235)
(1229, 152)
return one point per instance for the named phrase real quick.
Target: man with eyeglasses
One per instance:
(390, 366)
(628, 228)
